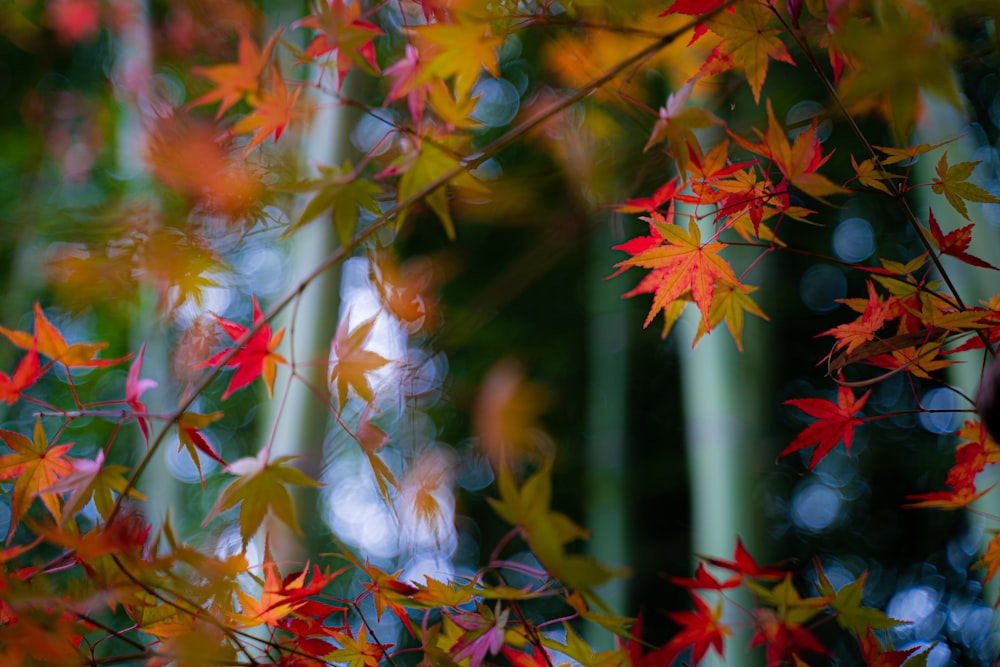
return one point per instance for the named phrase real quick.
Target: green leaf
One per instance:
(261, 486)
(952, 182)
(344, 192)
(431, 164)
(847, 603)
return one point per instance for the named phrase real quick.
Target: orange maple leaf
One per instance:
(952, 499)
(835, 422)
(679, 265)
(975, 451)
(255, 358)
(991, 561)
(798, 162)
(279, 597)
(234, 80)
(49, 341)
(342, 30)
(864, 328)
(273, 110)
(36, 467)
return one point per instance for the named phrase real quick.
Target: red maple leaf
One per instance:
(25, 375)
(864, 328)
(876, 656)
(783, 640)
(273, 110)
(255, 358)
(134, 388)
(342, 30)
(701, 630)
(835, 422)
(692, 7)
(702, 579)
(682, 264)
(234, 80)
(952, 499)
(798, 162)
(745, 565)
(956, 242)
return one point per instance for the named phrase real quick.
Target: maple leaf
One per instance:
(483, 634)
(26, 374)
(261, 485)
(701, 629)
(952, 499)
(743, 197)
(343, 191)
(745, 565)
(189, 436)
(952, 181)
(662, 195)
(48, 340)
(702, 579)
(387, 591)
(976, 450)
(423, 167)
(790, 606)
(748, 42)
(876, 656)
(892, 55)
(798, 162)
(351, 362)
(405, 76)
(547, 532)
(862, 330)
(134, 389)
(682, 264)
(255, 358)
(847, 603)
(90, 480)
(273, 110)
(459, 50)
(991, 560)
(870, 175)
(35, 466)
(676, 124)
(783, 640)
(729, 304)
(342, 30)
(908, 154)
(835, 422)
(234, 80)
(956, 242)
(357, 651)
(920, 361)
(279, 597)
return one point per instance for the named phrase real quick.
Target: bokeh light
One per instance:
(820, 287)
(853, 240)
(799, 117)
(940, 398)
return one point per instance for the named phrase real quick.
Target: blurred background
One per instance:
(131, 216)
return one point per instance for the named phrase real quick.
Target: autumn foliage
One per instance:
(86, 578)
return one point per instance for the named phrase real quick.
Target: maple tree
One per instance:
(89, 577)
